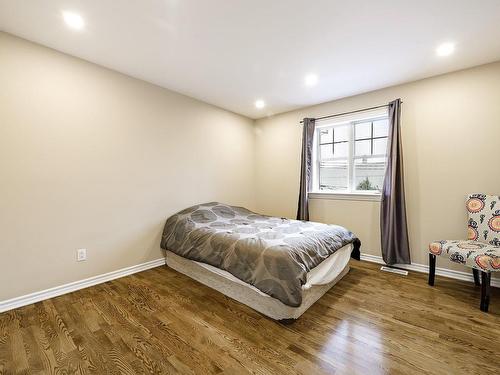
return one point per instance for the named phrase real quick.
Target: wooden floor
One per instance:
(160, 321)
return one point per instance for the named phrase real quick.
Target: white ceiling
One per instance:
(232, 52)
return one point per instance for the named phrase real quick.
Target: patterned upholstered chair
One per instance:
(481, 251)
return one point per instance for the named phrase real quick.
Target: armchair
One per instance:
(481, 250)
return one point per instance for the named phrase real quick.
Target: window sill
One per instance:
(374, 197)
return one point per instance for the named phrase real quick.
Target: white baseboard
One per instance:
(458, 275)
(27, 299)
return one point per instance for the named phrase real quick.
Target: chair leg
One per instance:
(485, 290)
(476, 276)
(432, 269)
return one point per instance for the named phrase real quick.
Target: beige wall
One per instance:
(90, 158)
(451, 135)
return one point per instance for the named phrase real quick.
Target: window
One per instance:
(351, 154)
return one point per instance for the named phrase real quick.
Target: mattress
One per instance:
(319, 280)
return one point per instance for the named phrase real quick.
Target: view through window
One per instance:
(351, 156)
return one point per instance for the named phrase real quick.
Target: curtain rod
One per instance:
(347, 113)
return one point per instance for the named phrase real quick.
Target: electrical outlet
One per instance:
(81, 255)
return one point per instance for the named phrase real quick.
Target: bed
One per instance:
(277, 266)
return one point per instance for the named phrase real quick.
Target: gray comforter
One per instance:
(270, 253)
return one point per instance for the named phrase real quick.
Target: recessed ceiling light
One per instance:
(445, 49)
(259, 104)
(311, 79)
(73, 20)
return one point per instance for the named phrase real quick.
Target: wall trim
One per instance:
(423, 268)
(28, 299)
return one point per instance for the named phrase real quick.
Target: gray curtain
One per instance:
(306, 168)
(393, 226)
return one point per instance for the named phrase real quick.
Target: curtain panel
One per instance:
(306, 168)
(393, 224)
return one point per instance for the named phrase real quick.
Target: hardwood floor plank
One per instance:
(162, 322)
(150, 330)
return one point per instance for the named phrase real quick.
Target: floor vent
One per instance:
(394, 270)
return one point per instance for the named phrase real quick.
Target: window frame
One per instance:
(351, 192)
